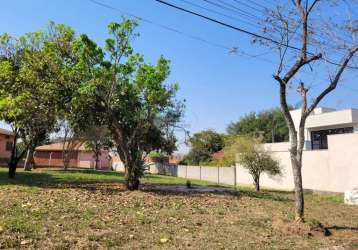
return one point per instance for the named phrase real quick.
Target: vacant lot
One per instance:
(51, 209)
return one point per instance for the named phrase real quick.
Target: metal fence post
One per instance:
(218, 175)
(200, 172)
(235, 181)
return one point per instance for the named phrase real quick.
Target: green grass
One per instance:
(53, 177)
(76, 209)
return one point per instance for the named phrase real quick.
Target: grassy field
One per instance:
(52, 209)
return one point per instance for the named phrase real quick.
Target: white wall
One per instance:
(326, 118)
(333, 170)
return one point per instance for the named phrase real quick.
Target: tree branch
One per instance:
(299, 64)
(334, 81)
(284, 104)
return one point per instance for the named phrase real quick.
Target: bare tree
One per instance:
(71, 141)
(97, 139)
(308, 45)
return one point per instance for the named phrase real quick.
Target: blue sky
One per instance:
(218, 86)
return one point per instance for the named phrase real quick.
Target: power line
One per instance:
(316, 33)
(219, 13)
(258, 19)
(163, 26)
(227, 25)
(231, 50)
(229, 7)
(247, 32)
(257, 4)
(247, 5)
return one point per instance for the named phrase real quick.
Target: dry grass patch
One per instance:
(84, 210)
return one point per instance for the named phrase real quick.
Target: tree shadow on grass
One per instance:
(343, 228)
(110, 182)
(275, 195)
(197, 190)
(90, 180)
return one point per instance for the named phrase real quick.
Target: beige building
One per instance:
(330, 156)
(324, 122)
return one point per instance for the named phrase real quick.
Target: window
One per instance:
(319, 138)
(8, 146)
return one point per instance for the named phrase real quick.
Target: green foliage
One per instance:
(269, 124)
(129, 97)
(250, 154)
(31, 69)
(203, 145)
(52, 75)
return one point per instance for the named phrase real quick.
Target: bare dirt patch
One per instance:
(303, 229)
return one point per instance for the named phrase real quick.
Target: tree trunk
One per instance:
(96, 160)
(13, 162)
(66, 160)
(131, 156)
(296, 162)
(29, 159)
(12, 169)
(131, 177)
(299, 199)
(257, 183)
(96, 164)
(133, 170)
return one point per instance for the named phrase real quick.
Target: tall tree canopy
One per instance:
(57, 76)
(270, 124)
(30, 73)
(202, 145)
(130, 98)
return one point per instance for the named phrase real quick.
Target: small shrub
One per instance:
(252, 156)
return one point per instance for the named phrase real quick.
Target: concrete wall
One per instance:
(223, 175)
(333, 170)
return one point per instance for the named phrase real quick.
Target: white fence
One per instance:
(221, 175)
(332, 170)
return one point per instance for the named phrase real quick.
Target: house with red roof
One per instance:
(80, 156)
(6, 140)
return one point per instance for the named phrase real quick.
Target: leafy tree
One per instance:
(270, 124)
(83, 57)
(29, 76)
(129, 97)
(97, 139)
(249, 153)
(203, 145)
